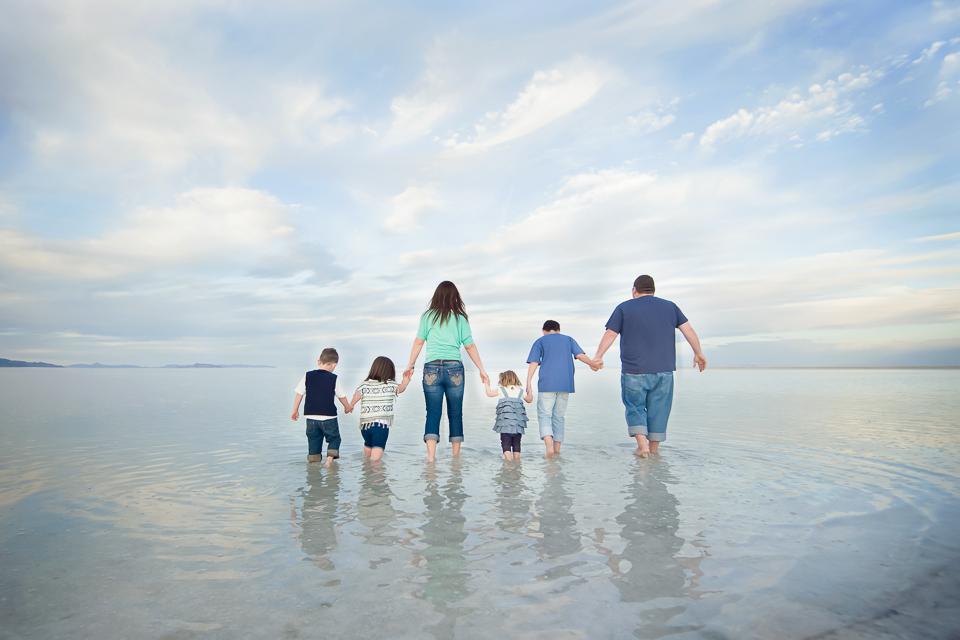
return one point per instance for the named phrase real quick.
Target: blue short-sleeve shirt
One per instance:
(648, 340)
(555, 353)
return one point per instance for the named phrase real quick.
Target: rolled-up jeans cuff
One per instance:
(638, 430)
(333, 453)
(656, 437)
(431, 436)
(456, 438)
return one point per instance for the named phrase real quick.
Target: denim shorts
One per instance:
(647, 398)
(375, 436)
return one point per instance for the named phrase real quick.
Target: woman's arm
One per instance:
(414, 354)
(407, 376)
(475, 356)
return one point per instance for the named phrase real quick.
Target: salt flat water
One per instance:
(179, 504)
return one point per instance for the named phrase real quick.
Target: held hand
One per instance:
(528, 398)
(295, 415)
(408, 375)
(599, 363)
(700, 361)
(484, 377)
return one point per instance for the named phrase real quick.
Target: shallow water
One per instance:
(179, 504)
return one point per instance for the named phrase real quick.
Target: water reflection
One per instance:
(558, 536)
(650, 524)
(318, 533)
(375, 507)
(444, 533)
(513, 508)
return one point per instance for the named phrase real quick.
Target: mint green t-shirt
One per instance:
(443, 341)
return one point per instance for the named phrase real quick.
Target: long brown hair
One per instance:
(446, 302)
(382, 370)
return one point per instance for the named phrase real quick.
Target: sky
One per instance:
(239, 182)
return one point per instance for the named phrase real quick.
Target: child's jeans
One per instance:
(317, 430)
(551, 405)
(443, 378)
(375, 436)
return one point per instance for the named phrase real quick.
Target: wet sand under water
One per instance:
(179, 504)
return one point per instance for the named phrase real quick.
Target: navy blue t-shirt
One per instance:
(555, 353)
(647, 327)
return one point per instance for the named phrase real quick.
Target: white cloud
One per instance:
(205, 224)
(409, 208)
(683, 141)
(940, 238)
(824, 107)
(929, 52)
(648, 122)
(416, 116)
(950, 65)
(417, 257)
(549, 96)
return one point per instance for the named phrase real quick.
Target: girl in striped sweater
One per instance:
(376, 396)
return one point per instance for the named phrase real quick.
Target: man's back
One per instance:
(647, 326)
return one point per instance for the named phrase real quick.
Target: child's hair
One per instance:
(509, 379)
(329, 355)
(551, 325)
(382, 370)
(446, 302)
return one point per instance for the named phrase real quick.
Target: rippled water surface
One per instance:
(179, 504)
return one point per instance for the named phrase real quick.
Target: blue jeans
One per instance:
(648, 398)
(443, 378)
(551, 405)
(317, 430)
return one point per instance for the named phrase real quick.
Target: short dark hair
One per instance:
(644, 284)
(329, 355)
(382, 370)
(551, 325)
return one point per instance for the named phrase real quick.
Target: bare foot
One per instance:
(643, 453)
(549, 453)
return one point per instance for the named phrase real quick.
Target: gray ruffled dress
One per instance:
(511, 415)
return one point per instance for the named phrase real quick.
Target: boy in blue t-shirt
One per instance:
(554, 354)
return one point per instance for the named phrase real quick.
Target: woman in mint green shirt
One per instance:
(444, 328)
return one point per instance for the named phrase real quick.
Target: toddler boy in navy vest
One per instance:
(321, 387)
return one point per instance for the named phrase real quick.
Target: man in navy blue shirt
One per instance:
(554, 354)
(648, 355)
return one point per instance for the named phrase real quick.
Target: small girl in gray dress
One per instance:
(511, 416)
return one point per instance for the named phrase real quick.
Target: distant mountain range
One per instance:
(96, 365)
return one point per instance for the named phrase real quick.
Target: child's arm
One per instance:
(356, 399)
(296, 407)
(407, 377)
(347, 406)
(530, 370)
(491, 393)
(584, 359)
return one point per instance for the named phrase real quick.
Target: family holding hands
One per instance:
(645, 324)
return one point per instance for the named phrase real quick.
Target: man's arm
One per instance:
(691, 336)
(605, 343)
(533, 367)
(296, 407)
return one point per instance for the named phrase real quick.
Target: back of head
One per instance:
(551, 325)
(446, 302)
(509, 379)
(644, 284)
(382, 370)
(329, 356)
